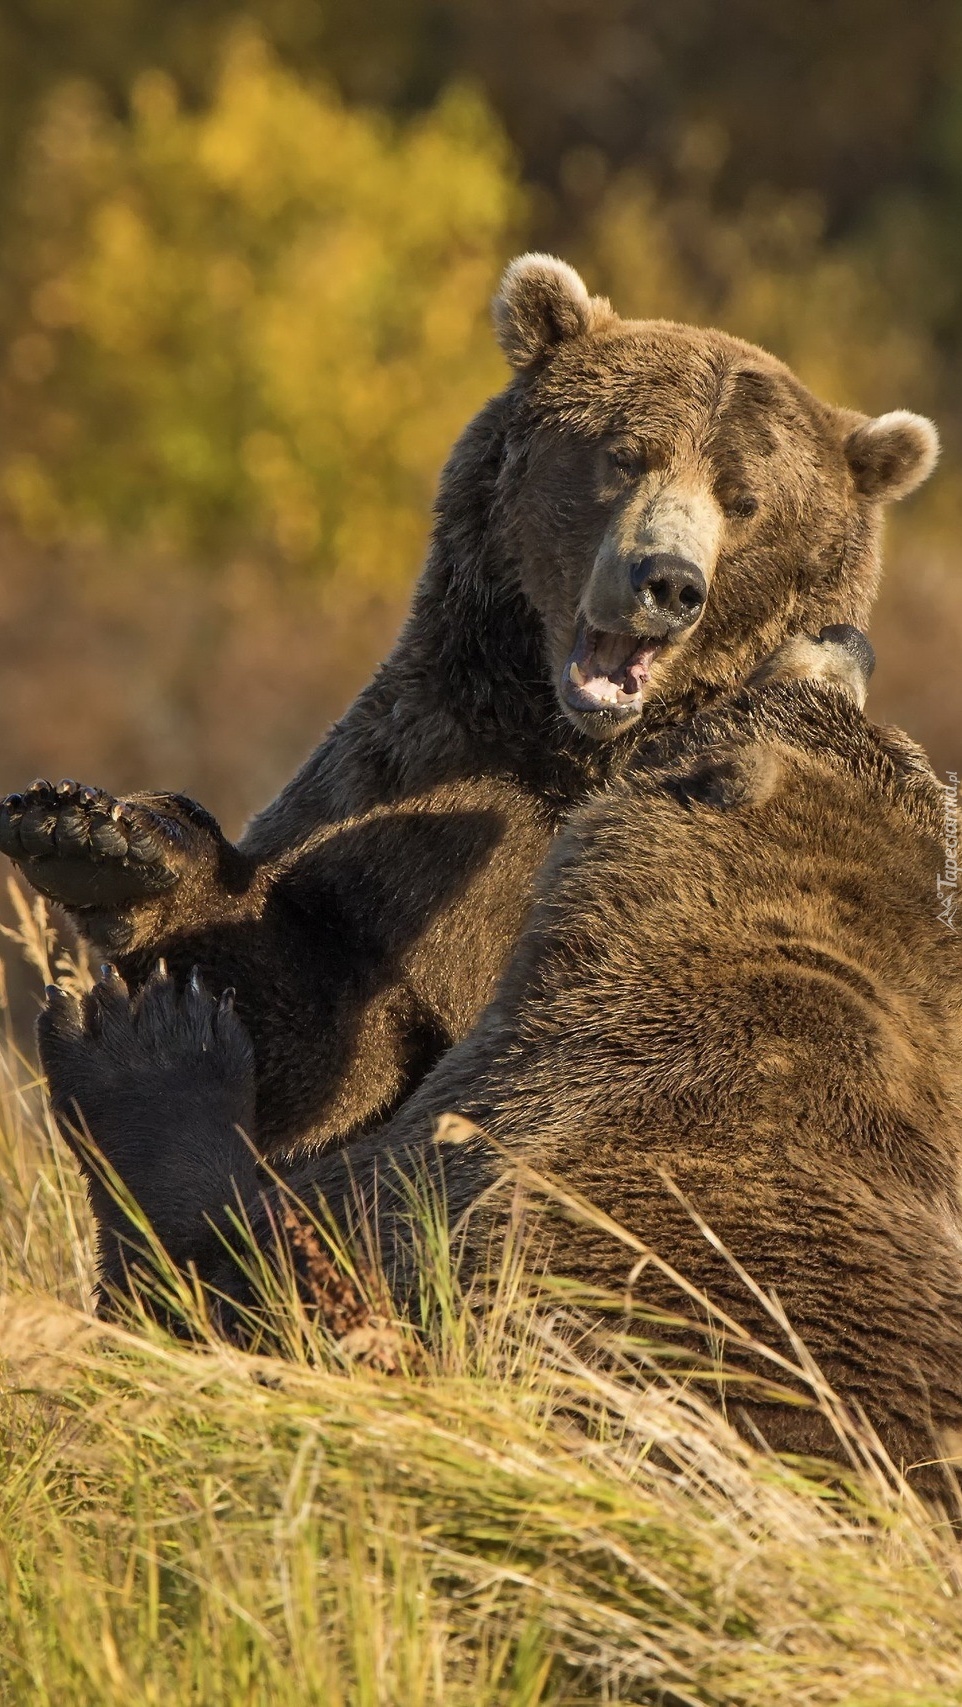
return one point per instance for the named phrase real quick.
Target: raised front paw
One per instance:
(83, 848)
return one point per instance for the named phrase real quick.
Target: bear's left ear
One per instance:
(541, 302)
(892, 454)
(729, 778)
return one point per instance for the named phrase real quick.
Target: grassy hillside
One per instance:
(525, 1513)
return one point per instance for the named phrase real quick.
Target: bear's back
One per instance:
(743, 939)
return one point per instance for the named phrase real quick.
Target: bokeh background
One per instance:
(245, 261)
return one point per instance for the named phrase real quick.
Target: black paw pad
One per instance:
(81, 847)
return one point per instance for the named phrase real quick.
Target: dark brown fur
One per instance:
(365, 916)
(735, 976)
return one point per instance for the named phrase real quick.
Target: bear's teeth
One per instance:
(609, 669)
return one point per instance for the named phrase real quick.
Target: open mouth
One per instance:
(609, 672)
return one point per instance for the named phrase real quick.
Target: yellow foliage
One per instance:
(765, 272)
(261, 323)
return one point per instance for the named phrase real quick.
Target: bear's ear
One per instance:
(541, 301)
(729, 778)
(892, 454)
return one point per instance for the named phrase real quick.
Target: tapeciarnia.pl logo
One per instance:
(947, 882)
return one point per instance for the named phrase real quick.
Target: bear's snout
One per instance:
(655, 563)
(669, 589)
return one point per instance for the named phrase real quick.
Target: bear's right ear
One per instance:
(892, 454)
(541, 301)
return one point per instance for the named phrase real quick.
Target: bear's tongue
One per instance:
(611, 668)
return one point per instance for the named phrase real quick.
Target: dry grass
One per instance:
(525, 1511)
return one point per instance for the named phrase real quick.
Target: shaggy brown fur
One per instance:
(735, 974)
(644, 511)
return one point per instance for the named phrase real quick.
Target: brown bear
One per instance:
(644, 511)
(736, 979)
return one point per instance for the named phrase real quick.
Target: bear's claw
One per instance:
(110, 1036)
(83, 848)
(147, 1077)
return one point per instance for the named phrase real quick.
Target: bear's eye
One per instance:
(629, 460)
(743, 506)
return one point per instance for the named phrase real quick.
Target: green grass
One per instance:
(522, 1513)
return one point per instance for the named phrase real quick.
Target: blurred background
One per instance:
(245, 261)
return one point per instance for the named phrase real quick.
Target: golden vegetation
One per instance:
(260, 324)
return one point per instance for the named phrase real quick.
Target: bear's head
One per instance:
(676, 501)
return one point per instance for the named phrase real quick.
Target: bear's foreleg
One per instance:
(128, 871)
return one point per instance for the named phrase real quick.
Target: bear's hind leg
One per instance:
(161, 1086)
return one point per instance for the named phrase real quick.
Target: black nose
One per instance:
(854, 642)
(669, 587)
